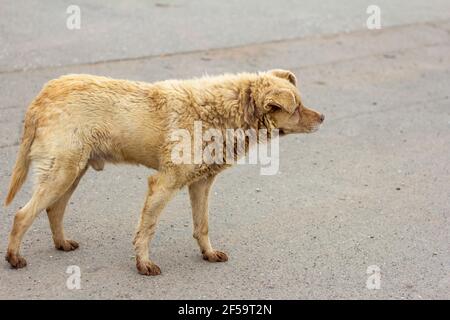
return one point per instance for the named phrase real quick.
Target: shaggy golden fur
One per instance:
(78, 121)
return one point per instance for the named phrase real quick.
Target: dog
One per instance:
(82, 121)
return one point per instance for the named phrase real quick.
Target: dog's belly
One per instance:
(134, 138)
(129, 150)
(146, 155)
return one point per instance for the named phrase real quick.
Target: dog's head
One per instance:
(276, 98)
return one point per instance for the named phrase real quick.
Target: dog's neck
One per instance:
(233, 103)
(249, 102)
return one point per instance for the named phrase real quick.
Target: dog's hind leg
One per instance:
(161, 188)
(53, 181)
(199, 192)
(55, 215)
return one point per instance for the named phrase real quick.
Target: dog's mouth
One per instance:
(315, 128)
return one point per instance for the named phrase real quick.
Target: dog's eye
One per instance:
(274, 108)
(296, 113)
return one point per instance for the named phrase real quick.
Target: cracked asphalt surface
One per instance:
(370, 188)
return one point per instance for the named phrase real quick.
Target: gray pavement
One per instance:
(370, 188)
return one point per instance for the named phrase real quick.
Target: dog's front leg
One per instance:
(160, 191)
(199, 192)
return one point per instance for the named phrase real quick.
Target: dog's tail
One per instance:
(22, 165)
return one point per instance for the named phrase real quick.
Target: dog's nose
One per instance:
(322, 117)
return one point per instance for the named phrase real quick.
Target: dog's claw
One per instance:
(67, 245)
(16, 261)
(148, 268)
(215, 256)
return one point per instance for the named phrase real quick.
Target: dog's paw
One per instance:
(215, 256)
(147, 268)
(67, 245)
(16, 261)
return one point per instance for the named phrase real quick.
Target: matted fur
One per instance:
(81, 121)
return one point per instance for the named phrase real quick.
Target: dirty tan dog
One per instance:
(78, 121)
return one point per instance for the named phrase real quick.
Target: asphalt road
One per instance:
(371, 188)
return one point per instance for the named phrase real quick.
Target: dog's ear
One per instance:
(280, 98)
(284, 74)
(251, 113)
